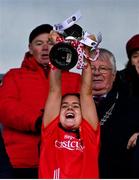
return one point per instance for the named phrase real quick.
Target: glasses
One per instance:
(101, 69)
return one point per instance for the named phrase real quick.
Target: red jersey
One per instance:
(63, 155)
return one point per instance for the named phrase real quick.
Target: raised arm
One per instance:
(87, 103)
(53, 103)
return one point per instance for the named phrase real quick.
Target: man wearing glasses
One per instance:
(116, 114)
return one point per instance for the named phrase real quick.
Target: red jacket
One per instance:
(22, 98)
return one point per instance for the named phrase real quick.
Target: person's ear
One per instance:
(30, 49)
(114, 76)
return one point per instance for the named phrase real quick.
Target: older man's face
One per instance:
(103, 76)
(40, 48)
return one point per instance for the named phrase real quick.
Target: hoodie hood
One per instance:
(29, 62)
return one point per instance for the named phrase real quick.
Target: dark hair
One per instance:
(129, 64)
(44, 28)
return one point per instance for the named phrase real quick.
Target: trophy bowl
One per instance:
(63, 56)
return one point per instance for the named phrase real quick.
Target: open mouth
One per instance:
(70, 115)
(45, 56)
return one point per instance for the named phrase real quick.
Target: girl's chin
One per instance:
(69, 126)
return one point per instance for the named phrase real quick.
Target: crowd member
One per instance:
(23, 93)
(6, 171)
(70, 133)
(130, 75)
(133, 144)
(117, 114)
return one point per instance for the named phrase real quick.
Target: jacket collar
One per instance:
(29, 62)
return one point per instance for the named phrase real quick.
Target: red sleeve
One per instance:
(13, 112)
(50, 128)
(91, 140)
(90, 134)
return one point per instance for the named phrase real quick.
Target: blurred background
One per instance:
(117, 20)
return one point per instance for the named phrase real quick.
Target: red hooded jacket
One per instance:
(23, 93)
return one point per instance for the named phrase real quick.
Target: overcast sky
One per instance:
(117, 20)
